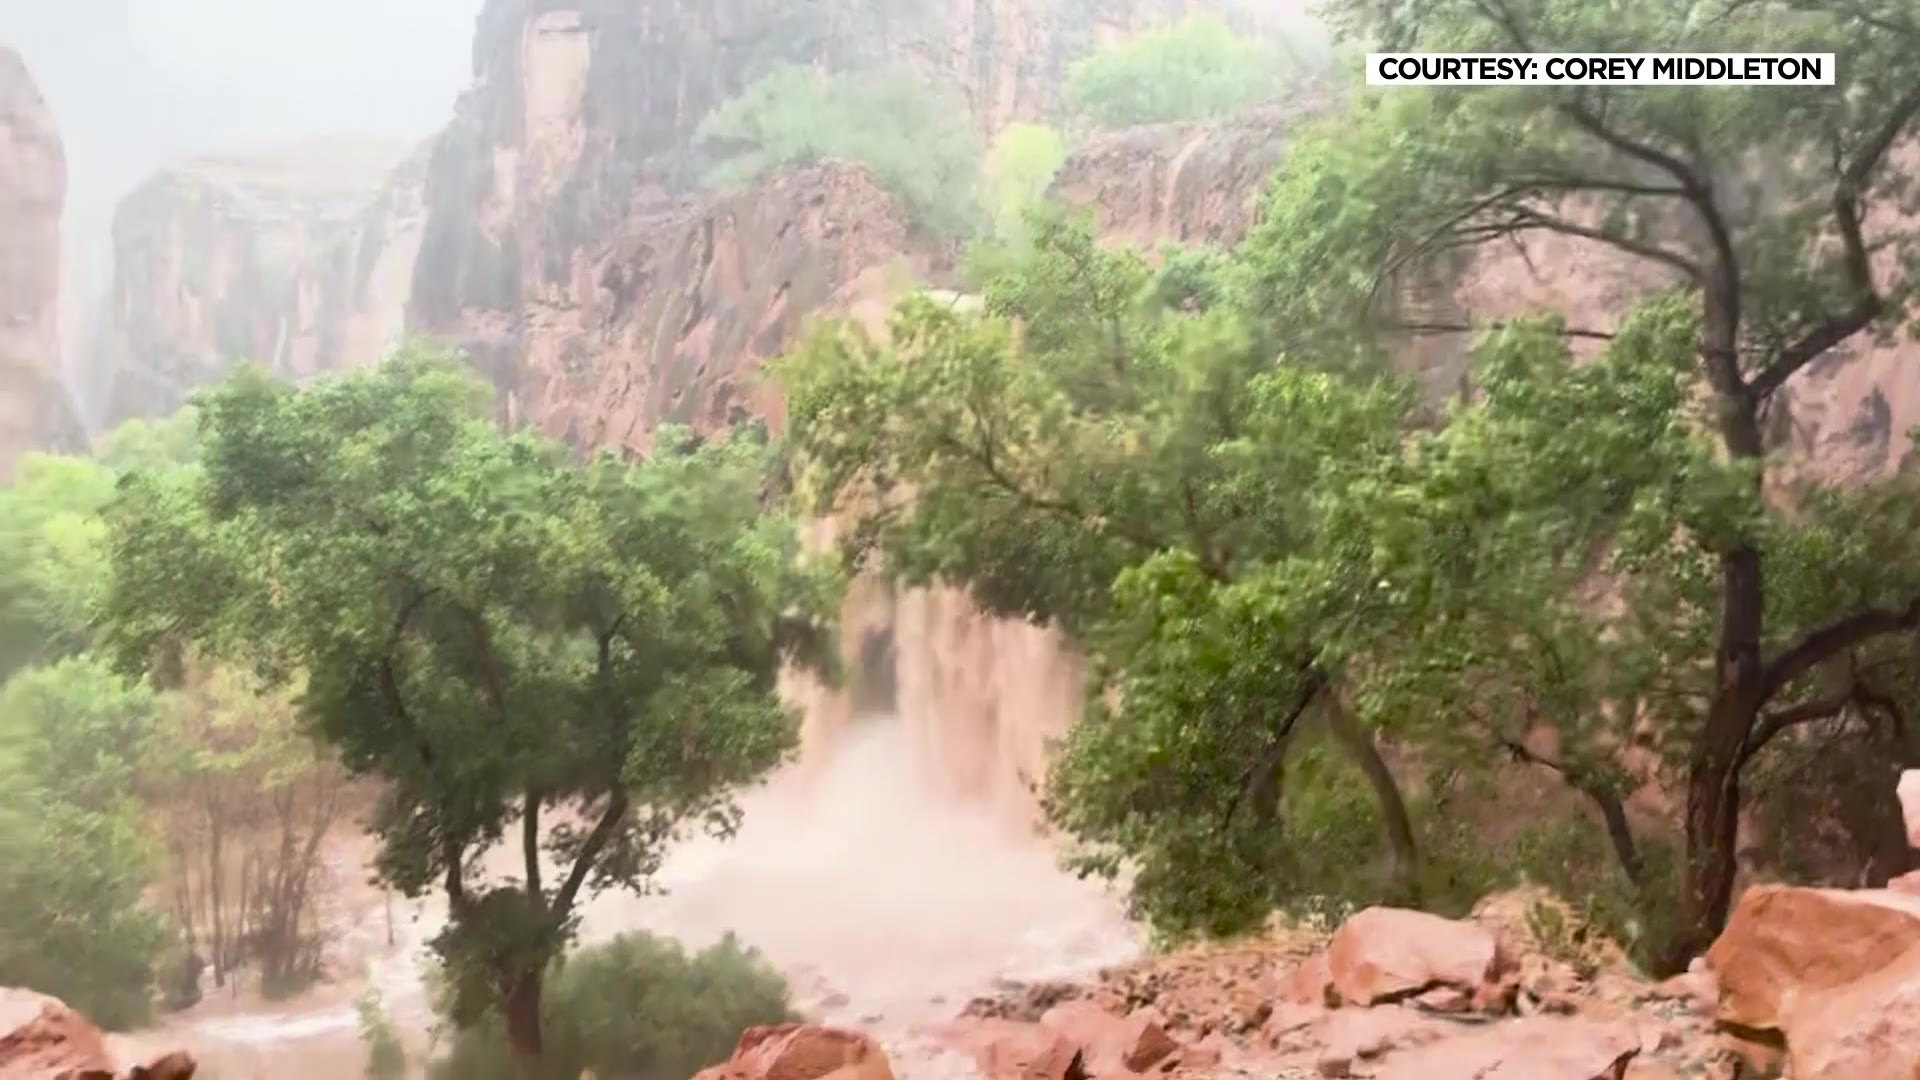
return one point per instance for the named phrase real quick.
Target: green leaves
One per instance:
(487, 625)
(1193, 70)
(917, 143)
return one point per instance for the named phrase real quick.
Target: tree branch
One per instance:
(1829, 641)
(1314, 680)
(530, 844)
(1772, 724)
(1613, 811)
(589, 854)
(1849, 215)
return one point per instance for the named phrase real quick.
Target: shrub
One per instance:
(386, 1058)
(916, 143)
(1017, 173)
(1191, 70)
(639, 1007)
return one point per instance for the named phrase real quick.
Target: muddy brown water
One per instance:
(887, 900)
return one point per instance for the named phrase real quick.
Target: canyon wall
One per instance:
(300, 261)
(35, 410)
(568, 186)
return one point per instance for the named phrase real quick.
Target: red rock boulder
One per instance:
(1112, 1044)
(1389, 954)
(802, 1052)
(41, 1038)
(1837, 973)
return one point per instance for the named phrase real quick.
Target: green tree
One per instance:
(1196, 69)
(1108, 449)
(386, 1055)
(585, 655)
(916, 142)
(1019, 169)
(1779, 260)
(74, 853)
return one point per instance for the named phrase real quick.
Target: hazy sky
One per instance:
(137, 84)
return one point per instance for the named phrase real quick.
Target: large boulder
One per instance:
(1112, 1044)
(1786, 947)
(1869, 1030)
(41, 1038)
(802, 1052)
(1389, 954)
(1835, 973)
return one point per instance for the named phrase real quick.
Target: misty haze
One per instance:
(951, 540)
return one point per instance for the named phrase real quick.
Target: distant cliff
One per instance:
(299, 261)
(34, 407)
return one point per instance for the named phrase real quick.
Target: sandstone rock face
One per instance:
(33, 186)
(1384, 954)
(42, 1039)
(670, 317)
(1836, 973)
(802, 1052)
(300, 261)
(1196, 183)
(564, 187)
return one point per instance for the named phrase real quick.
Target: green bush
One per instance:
(74, 847)
(1014, 180)
(1192, 70)
(386, 1057)
(916, 143)
(639, 1007)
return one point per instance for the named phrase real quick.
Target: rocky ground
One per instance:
(1809, 984)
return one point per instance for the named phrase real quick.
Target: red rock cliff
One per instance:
(301, 261)
(33, 186)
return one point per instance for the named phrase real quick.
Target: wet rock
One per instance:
(1538, 1048)
(1353, 1036)
(802, 1052)
(1111, 1044)
(1786, 947)
(40, 1038)
(1385, 954)
(1013, 1050)
(1867, 1030)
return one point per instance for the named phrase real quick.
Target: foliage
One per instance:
(1192, 70)
(1739, 621)
(1097, 450)
(638, 1007)
(917, 143)
(386, 1056)
(1014, 180)
(502, 634)
(243, 799)
(73, 849)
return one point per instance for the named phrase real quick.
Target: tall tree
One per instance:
(1102, 423)
(1776, 210)
(585, 655)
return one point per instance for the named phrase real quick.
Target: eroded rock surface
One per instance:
(301, 261)
(33, 184)
(802, 1052)
(43, 1039)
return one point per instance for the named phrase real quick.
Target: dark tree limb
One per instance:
(1831, 640)
(530, 845)
(589, 854)
(1849, 214)
(1498, 324)
(1613, 811)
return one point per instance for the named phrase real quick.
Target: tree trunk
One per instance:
(1713, 777)
(1402, 849)
(522, 1009)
